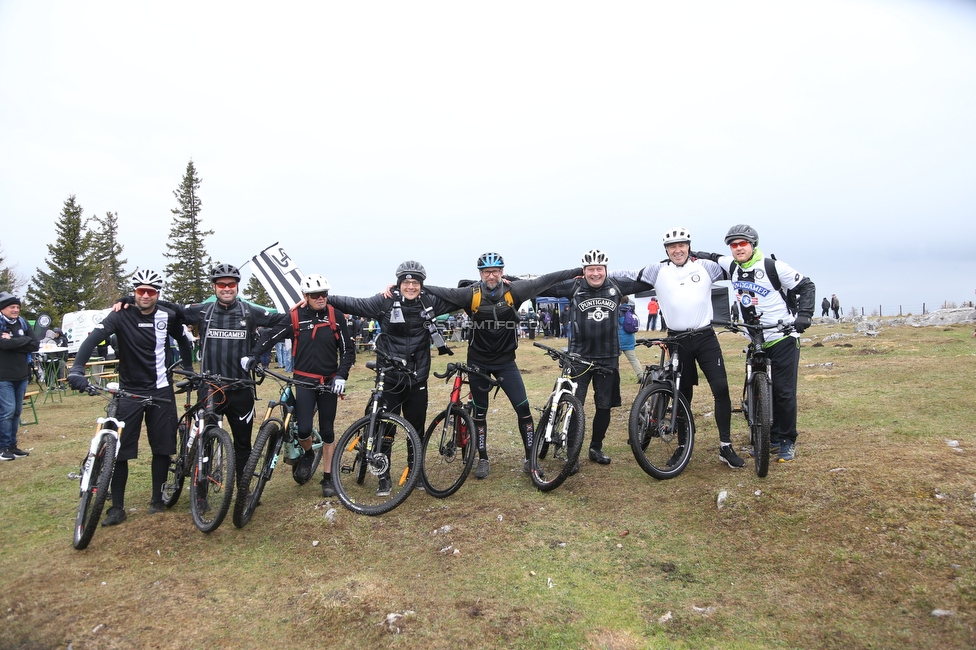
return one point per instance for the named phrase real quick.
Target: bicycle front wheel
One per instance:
(264, 454)
(661, 431)
(93, 498)
(762, 421)
(555, 453)
(449, 451)
(178, 465)
(212, 484)
(374, 481)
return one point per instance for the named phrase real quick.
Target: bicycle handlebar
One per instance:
(455, 368)
(94, 389)
(197, 378)
(780, 326)
(260, 370)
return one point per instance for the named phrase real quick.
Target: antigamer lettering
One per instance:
(597, 303)
(751, 286)
(227, 334)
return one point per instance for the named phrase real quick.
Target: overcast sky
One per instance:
(363, 134)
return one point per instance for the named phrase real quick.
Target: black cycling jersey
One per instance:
(593, 316)
(494, 327)
(319, 353)
(226, 332)
(143, 346)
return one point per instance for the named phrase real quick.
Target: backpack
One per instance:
(789, 295)
(476, 298)
(631, 322)
(294, 327)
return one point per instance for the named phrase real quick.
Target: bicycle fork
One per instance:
(100, 430)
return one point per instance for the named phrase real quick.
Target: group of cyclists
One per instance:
(323, 351)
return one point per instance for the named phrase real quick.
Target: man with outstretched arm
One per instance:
(492, 307)
(142, 335)
(594, 307)
(762, 286)
(684, 289)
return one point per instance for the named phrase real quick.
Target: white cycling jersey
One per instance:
(684, 292)
(756, 296)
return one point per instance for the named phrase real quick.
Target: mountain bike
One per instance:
(99, 465)
(205, 451)
(449, 443)
(375, 465)
(661, 429)
(757, 395)
(559, 437)
(277, 436)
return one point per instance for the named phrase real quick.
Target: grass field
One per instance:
(865, 541)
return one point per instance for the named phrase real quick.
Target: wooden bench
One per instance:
(29, 401)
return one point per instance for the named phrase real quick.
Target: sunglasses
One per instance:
(738, 244)
(316, 296)
(142, 291)
(226, 285)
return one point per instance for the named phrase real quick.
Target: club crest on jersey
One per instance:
(243, 323)
(746, 300)
(760, 274)
(598, 315)
(161, 325)
(696, 278)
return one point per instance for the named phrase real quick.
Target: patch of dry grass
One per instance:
(851, 546)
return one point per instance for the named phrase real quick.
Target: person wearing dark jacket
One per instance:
(492, 306)
(323, 353)
(227, 326)
(406, 317)
(17, 342)
(142, 334)
(594, 305)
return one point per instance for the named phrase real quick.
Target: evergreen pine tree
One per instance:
(255, 293)
(69, 283)
(106, 254)
(189, 272)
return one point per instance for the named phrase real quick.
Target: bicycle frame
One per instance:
(666, 373)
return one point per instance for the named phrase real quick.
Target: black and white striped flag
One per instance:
(279, 276)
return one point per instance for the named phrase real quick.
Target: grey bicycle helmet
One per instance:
(411, 270)
(491, 261)
(315, 283)
(677, 236)
(225, 271)
(742, 231)
(147, 277)
(595, 258)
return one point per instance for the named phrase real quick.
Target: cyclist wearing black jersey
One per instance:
(492, 307)
(594, 307)
(227, 330)
(323, 353)
(406, 317)
(142, 335)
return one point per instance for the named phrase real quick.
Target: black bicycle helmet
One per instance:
(147, 277)
(225, 271)
(742, 231)
(491, 261)
(411, 270)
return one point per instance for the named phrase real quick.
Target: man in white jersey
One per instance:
(761, 301)
(684, 289)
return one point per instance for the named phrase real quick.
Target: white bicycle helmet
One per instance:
(595, 258)
(677, 236)
(314, 283)
(147, 277)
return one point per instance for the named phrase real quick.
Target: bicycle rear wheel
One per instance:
(357, 472)
(661, 431)
(93, 499)
(263, 453)
(553, 460)
(762, 415)
(178, 465)
(212, 484)
(448, 453)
